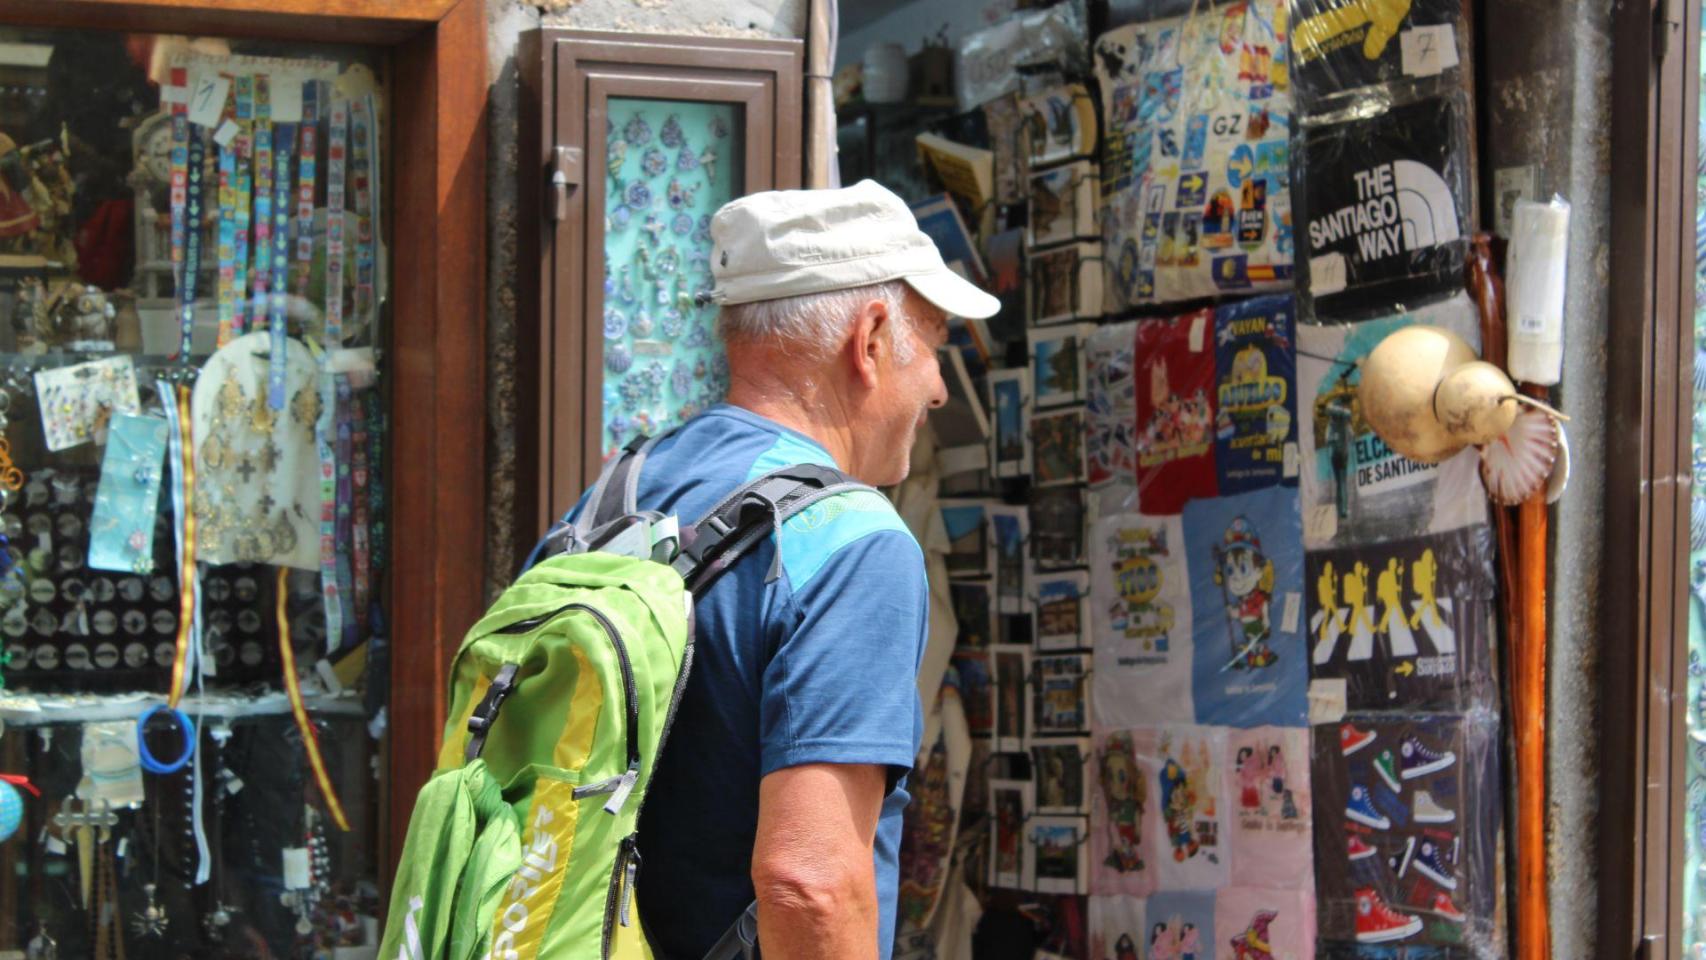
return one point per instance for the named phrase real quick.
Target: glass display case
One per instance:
(196, 430)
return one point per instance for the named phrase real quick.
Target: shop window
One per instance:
(193, 311)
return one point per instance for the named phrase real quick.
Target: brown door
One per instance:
(635, 142)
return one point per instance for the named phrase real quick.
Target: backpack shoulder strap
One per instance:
(745, 517)
(615, 493)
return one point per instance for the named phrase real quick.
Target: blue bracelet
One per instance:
(185, 726)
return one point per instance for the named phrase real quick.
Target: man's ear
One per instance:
(869, 339)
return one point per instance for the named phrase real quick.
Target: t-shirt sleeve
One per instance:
(842, 684)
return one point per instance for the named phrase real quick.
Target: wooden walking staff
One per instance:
(1522, 577)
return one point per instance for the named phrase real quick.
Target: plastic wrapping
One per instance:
(1245, 556)
(1406, 624)
(987, 64)
(1386, 199)
(1272, 807)
(1125, 813)
(1342, 48)
(1415, 864)
(1111, 404)
(1175, 411)
(1196, 189)
(121, 530)
(1539, 256)
(1255, 424)
(1057, 528)
(1354, 488)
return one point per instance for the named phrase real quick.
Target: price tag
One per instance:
(296, 875)
(1428, 51)
(174, 94)
(226, 133)
(1199, 332)
(55, 846)
(207, 98)
(1327, 700)
(1290, 468)
(287, 98)
(1293, 608)
(1328, 274)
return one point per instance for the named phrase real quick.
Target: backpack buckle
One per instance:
(481, 720)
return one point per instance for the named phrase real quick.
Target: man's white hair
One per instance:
(816, 323)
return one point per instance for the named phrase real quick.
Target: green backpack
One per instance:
(523, 843)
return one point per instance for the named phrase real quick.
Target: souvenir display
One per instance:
(1388, 202)
(1063, 204)
(1405, 624)
(1354, 488)
(1190, 775)
(1059, 124)
(1011, 863)
(1012, 685)
(1196, 122)
(1256, 924)
(1255, 425)
(969, 672)
(1110, 409)
(1125, 812)
(1414, 857)
(1010, 401)
(1116, 927)
(1180, 925)
(1061, 617)
(662, 361)
(1062, 864)
(1057, 448)
(1066, 283)
(1272, 813)
(1057, 365)
(937, 785)
(939, 219)
(1175, 411)
(987, 60)
(967, 525)
(1060, 694)
(76, 402)
(974, 608)
(1009, 529)
(1057, 528)
(1061, 766)
(1341, 48)
(1245, 556)
(121, 529)
(1140, 595)
(1007, 282)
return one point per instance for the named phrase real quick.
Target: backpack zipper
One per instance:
(630, 692)
(621, 891)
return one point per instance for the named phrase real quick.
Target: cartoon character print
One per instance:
(1178, 806)
(1253, 943)
(1125, 793)
(1175, 940)
(1136, 612)
(1245, 576)
(1179, 426)
(1263, 782)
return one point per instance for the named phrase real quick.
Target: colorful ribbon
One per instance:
(183, 504)
(263, 195)
(277, 315)
(310, 739)
(337, 146)
(244, 88)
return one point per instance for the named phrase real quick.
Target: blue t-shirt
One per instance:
(818, 666)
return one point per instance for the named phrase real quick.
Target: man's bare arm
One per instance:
(812, 861)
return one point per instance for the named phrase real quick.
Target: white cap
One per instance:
(785, 243)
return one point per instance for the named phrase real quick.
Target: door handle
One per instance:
(566, 164)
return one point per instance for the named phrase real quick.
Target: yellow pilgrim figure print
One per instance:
(1356, 597)
(1424, 576)
(1389, 590)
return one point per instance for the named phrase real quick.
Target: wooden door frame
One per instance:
(1648, 464)
(561, 455)
(436, 169)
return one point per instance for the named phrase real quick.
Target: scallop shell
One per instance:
(617, 358)
(1516, 466)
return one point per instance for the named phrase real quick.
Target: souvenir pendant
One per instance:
(151, 920)
(654, 162)
(617, 358)
(681, 225)
(618, 220)
(641, 325)
(669, 261)
(627, 290)
(655, 226)
(719, 127)
(305, 406)
(637, 131)
(615, 324)
(672, 320)
(671, 135)
(615, 154)
(637, 196)
(218, 922)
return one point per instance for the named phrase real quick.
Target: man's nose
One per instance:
(939, 392)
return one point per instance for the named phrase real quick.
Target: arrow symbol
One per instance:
(1404, 669)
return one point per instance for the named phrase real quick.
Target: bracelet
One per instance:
(185, 726)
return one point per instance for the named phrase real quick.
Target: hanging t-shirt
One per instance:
(1258, 924)
(1116, 928)
(1180, 925)
(1175, 411)
(1249, 659)
(1110, 409)
(1190, 783)
(1140, 595)
(1406, 624)
(1387, 205)
(1417, 805)
(1125, 812)
(1268, 788)
(1355, 489)
(1255, 421)
(1342, 47)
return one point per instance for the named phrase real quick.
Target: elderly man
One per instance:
(783, 779)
